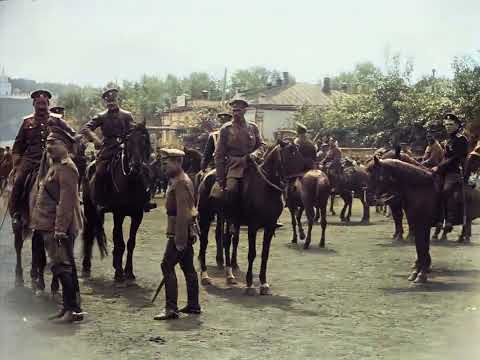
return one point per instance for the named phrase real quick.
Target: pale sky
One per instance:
(95, 41)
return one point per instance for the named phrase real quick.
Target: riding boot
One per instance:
(193, 306)
(171, 291)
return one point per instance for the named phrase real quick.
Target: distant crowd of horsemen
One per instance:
(47, 169)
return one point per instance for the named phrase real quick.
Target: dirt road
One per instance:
(348, 301)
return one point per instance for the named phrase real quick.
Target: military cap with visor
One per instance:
(58, 110)
(172, 153)
(453, 117)
(238, 101)
(110, 94)
(41, 93)
(57, 133)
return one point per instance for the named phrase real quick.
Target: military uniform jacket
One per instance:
(236, 140)
(115, 125)
(31, 138)
(209, 151)
(333, 154)
(456, 151)
(433, 155)
(180, 206)
(308, 151)
(57, 207)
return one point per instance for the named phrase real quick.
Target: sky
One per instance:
(92, 42)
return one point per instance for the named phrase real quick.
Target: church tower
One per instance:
(5, 86)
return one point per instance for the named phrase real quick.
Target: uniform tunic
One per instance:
(333, 154)
(114, 125)
(308, 151)
(456, 150)
(237, 139)
(180, 206)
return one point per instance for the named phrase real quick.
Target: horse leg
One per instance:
(332, 201)
(366, 212)
(344, 217)
(227, 242)
(18, 249)
(350, 202)
(294, 224)
(204, 223)
(252, 253)
(310, 215)
(235, 241)
(323, 223)
(438, 228)
(218, 239)
(397, 215)
(38, 263)
(299, 222)
(118, 246)
(132, 238)
(317, 214)
(267, 238)
(424, 261)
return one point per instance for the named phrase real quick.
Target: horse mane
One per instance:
(408, 173)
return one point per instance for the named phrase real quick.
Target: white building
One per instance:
(5, 86)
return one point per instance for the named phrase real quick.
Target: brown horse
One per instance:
(260, 207)
(305, 191)
(419, 199)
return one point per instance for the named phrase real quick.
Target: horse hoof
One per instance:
(56, 297)
(119, 277)
(231, 281)
(444, 238)
(19, 282)
(294, 241)
(39, 292)
(220, 264)
(306, 246)
(412, 276)
(398, 237)
(130, 276)
(250, 291)
(365, 221)
(86, 274)
(265, 290)
(206, 281)
(421, 278)
(321, 245)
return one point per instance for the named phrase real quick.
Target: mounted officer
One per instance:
(181, 233)
(238, 139)
(433, 153)
(29, 147)
(115, 124)
(450, 168)
(57, 218)
(334, 154)
(306, 147)
(212, 141)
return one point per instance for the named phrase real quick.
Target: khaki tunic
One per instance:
(57, 207)
(237, 139)
(181, 211)
(433, 155)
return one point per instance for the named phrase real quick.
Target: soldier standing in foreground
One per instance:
(57, 219)
(181, 212)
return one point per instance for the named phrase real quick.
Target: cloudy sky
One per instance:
(94, 41)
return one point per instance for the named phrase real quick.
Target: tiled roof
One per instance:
(297, 94)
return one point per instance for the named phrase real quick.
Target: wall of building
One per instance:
(269, 121)
(12, 112)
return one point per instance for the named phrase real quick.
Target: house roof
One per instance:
(294, 95)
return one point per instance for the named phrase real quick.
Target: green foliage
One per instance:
(251, 79)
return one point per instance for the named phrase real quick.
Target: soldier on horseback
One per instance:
(29, 146)
(306, 147)
(208, 154)
(451, 168)
(334, 154)
(238, 139)
(115, 124)
(433, 153)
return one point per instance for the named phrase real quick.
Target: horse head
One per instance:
(292, 161)
(381, 179)
(137, 148)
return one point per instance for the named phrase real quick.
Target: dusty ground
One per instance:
(349, 301)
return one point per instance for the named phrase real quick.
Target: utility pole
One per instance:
(433, 79)
(224, 89)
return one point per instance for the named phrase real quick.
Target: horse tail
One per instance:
(93, 225)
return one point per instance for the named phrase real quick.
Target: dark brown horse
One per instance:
(129, 193)
(305, 191)
(260, 207)
(419, 199)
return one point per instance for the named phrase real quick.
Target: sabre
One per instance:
(463, 198)
(158, 290)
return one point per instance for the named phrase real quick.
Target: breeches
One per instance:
(60, 261)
